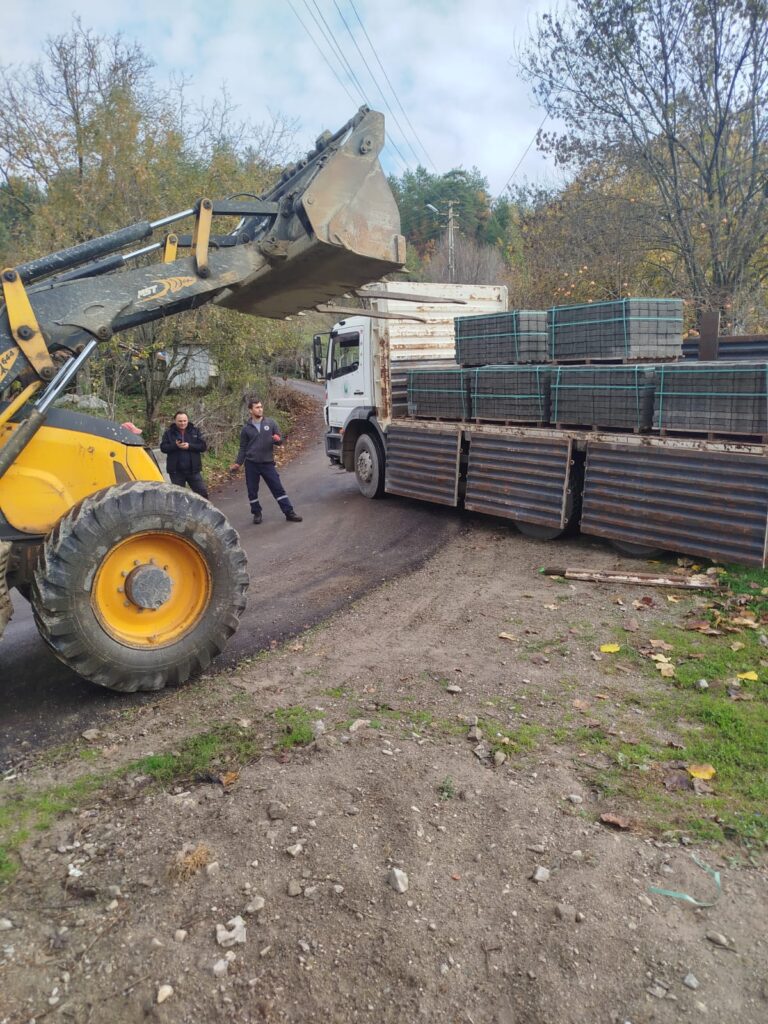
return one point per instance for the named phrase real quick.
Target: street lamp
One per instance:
(451, 231)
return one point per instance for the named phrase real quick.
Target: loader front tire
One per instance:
(139, 586)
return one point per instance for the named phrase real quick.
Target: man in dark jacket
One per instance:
(257, 441)
(183, 444)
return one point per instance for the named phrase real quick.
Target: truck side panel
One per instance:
(526, 479)
(424, 464)
(704, 503)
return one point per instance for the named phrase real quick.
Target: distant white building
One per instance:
(197, 367)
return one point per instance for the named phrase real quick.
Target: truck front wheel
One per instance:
(369, 466)
(139, 585)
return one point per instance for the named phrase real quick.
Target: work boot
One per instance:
(257, 518)
(293, 517)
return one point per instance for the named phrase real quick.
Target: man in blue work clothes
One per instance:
(257, 441)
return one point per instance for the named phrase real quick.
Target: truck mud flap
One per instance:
(424, 463)
(705, 503)
(525, 479)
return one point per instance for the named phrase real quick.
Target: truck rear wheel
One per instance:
(631, 550)
(536, 531)
(140, 585)
(369, 466)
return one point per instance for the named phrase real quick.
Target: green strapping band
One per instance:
(683, 896)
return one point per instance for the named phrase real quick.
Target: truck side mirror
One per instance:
(318, 357)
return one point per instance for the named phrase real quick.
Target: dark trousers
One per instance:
(254, 471)
(195, 481)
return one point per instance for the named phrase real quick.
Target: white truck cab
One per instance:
(365, 358)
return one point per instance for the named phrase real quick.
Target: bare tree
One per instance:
(678, 90)
(474, 262)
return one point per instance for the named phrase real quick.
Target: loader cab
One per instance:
(348, 370)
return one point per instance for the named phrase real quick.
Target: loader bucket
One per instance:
(343, 232)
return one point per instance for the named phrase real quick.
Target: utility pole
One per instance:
(451, 243)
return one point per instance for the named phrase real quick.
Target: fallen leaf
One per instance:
(704, 627)
(228, 778)
(701, 771)
(676, 745)
(672, 599)
(667, 671)
(602, 696)
(596, 657)
(660, 659)
(580, 705)
(539, 659)
(631, 626)
(661, 645)
(609, 648)
(737, 645)
(298, 646)
(744, 620)
(736, 693)
(750, 676)
(643, 602)
(507, 636)
(615, 821)
(551, 607)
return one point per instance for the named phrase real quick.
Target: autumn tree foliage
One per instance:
(89, 142)
(675, 91)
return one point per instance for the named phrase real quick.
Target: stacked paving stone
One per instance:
(439, 393)
(519, 336)
(519, 394)
(628, 329)
(715, 397)
(618, 397)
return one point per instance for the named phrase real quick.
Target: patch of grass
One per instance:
(296, 724)
(22, 814)
(512, 740)
(220, 748)
(224, 746)
(419, 719)
(335, 691)
(447, 788)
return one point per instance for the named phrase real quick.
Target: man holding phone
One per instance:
(257, 443)
(183, 443)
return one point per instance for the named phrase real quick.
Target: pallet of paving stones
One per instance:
(510, 394)
(603, 397)
(626, 330)
(518, 336)
(713, 398)
(439, 393)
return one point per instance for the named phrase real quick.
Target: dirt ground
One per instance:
(126, 894)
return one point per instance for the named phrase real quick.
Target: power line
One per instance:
(323, 54)
(329, 37)
(525, 154)
(389, 83)
(375, 82)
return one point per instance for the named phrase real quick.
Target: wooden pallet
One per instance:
(625, 361)
(713, 435)
(594, 428)
(491, 421)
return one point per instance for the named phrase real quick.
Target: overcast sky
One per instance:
(451, 63)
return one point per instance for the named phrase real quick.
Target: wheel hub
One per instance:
(365, 467)
(148, 586)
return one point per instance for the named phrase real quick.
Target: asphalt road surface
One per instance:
(300, 574)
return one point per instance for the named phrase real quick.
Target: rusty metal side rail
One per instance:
(521, 479)
(424, 464)
(704, 503)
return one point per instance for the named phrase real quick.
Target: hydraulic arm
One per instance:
(135, 583)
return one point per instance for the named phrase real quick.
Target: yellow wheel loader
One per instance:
(135, 583)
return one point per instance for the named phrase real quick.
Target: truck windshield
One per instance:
(345, 354)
